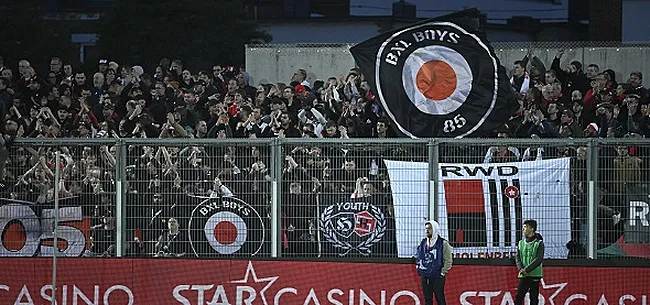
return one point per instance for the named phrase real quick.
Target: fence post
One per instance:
(276, 217)
(434, 153)
(55, 253)
(120, 209)
(592, 177)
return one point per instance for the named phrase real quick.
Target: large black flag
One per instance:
(437, 78)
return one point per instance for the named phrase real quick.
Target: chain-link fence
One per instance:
(325, 198)
(199, 199)
(337, 198)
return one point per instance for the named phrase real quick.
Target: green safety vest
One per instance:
(527, 253)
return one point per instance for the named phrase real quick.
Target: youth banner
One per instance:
(483, 206)
(355, 227)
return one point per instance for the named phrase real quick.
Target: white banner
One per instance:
(483, 206)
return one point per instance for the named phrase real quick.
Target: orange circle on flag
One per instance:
(436, 80)
(225, 232)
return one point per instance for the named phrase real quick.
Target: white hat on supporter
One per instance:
(137, 70)
(593, 126)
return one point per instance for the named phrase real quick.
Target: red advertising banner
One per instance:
(191, 282)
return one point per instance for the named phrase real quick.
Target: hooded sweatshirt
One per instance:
(435, 232)
(433, 256)
(530, 255)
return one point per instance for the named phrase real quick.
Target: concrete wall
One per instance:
(277, 63)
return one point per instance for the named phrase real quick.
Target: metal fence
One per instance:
(322, 198)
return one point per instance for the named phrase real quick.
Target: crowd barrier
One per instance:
(324, 198)
(239, 282)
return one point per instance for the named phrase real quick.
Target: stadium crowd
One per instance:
(119, 100)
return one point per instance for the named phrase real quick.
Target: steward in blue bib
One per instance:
(429, 259)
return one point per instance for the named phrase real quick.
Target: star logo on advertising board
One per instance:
(250, 271)
(558, 288)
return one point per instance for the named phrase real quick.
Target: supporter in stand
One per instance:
(171, 243)
(104, 236)
(125, 100)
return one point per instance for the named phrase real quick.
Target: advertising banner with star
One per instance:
(482, 207)
(241, 282)
(437, 78)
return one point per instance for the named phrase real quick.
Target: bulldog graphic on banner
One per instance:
(437, 78)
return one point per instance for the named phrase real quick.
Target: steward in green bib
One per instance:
(530, 255)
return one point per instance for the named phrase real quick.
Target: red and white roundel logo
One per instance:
(225, 226)
(511, 192)
(437, 79)
(226, 232)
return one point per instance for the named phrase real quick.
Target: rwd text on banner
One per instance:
(637, 227)
(483, 206)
